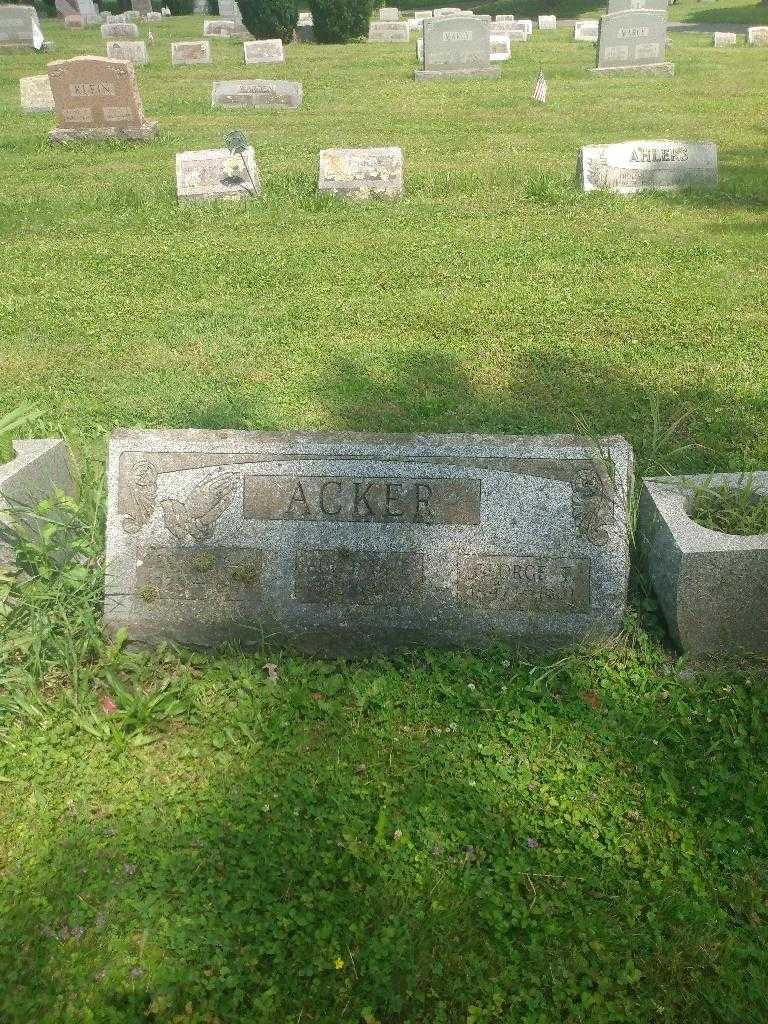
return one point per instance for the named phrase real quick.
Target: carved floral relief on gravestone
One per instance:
(354, 543)
(655, 165)
(97, 98)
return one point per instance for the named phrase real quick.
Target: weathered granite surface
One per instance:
(361, 173)
(616, 6)
(41, 468)
(388, 32)
(97, 98)
(501, 48)
(389, 14)
(196, 52)
(547, 22)
(119, 30)
(134, 50)
(263, 51)
(724, 39)
(757, 35)
(657, 165)
(20, 26)
(73, 21)
(633, 41)
(457, 47)
(353, 543)
(712, 587)
(257, 92)
(219, 28)
(36, 95)
(586, 31)
(216, 174)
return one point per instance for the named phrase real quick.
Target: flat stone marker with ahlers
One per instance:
(20, 27)
(361, 173)
(388, 32)
(657, 165)
(633, 41)
(263, 51)
(134, 50)
(457, 47)
(36, 95)
(354, 544)
(256, 92)
(97, 98)
(197, 52)
(119, 30)
(217, 174)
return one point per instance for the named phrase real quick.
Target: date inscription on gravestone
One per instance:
(357, 543)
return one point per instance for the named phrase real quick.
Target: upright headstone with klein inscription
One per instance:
(343, 544)
(97, 98)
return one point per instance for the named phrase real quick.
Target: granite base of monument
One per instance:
(428, 76)
(665, 68)
(346, 543)
(141, 133)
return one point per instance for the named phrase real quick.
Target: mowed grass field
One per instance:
(434, 838)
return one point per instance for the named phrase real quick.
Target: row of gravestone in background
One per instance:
(355, 544)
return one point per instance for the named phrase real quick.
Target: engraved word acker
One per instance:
(354, 543)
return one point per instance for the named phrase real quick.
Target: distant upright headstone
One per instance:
(501, 18)
(153, 16)
(305, 18)
(389, 14)
(757, 35)
(134, 50)
(361, 173)
(142, 7)
(724, 39)
(216, 174)
(616, 6)
(198, 52)
(199, 6)
(457, 47)
(658, 165)
(633, 41)
(20, 27)
(223, 29)
(449, 12)
(586, 31)
(73, 21)
(515, 31)
(354, 544)
(388, 32)
(65, 7)
(255, 92)
(422, 15)
(547, 22)
(36, 95)
(304, 34)
(119, 30)
(263, 51)
(97, 98)
(500, 46)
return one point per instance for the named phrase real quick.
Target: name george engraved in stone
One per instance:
(362, 499)
(524, 583)
(341, 576)
(198, 574)
(92, 89)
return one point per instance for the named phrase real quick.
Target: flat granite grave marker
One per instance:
(222, 29)
(757, 35)
(586, 31)
(36, 95)
(547, 22)
(423, 15)
(120, 30)
(20, 27)
(263, 51)
(388, 32)
(256, 92)
(361, 173)
(197, 52)
(724, 39)
(501, 48)
(389, 14)
(712, 586)
(353, 543)
(633, 41)
(658, 165)
(217, 174)
(97, 98)
(133, 50)
(457, 47)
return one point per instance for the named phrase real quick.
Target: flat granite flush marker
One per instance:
(354, 543)
(257, 92)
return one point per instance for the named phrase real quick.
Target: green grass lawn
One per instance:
(445, 838)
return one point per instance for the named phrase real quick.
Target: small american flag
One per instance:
(540, 89)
